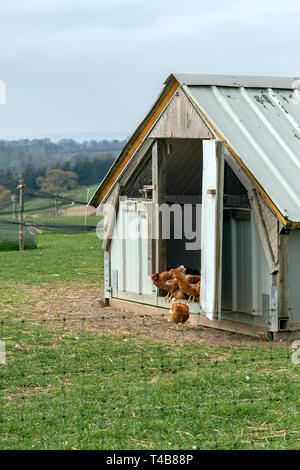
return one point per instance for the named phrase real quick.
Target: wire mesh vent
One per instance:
(135, 187)
(235, 194)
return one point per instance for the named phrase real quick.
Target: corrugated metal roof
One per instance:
(262, 125)
(191, 79)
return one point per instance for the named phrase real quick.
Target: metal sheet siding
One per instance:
(246, 279)
(263, 127)
(129, 255)
(294, 275)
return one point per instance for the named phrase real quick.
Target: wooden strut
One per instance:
(262, 231)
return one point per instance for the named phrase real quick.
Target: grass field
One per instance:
(70, 382)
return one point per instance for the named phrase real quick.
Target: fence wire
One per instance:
(45, 211)
(113, 380)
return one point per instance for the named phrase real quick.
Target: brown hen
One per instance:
(192, 290)
(179, 313)
(166, 281)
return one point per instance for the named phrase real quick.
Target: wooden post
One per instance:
(21, 187)
(161, 189)
(262, 231)
(159, 157)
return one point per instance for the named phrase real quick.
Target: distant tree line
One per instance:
(88, 161)
(88, 170)
(42, 153)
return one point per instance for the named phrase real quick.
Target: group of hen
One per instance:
(178, 285)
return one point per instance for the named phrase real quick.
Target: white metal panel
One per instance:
(129, 249)
(209, 236)
(294, 275)
(116, 257)
(132, 253)
(147, 285)
(247, 279)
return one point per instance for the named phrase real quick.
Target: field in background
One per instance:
(65, 213)
(35, 204)
(75, 380)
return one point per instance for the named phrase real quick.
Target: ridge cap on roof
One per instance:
(248, 81)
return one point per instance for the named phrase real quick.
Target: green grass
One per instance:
(58, 258)
(67, 385)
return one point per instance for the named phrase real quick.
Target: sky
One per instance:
(93, 68)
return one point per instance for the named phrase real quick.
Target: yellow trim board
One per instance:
(146, 129)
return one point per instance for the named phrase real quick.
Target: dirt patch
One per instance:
(82, 308)
(77, 210)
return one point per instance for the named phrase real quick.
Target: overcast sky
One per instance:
(92, 66)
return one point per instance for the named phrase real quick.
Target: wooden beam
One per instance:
(110, 213)
(238, 170)
(161, 196)
(262, 231)
(159, 162)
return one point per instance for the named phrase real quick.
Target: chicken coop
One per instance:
(218, 157)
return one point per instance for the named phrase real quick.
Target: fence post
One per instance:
(21, 187)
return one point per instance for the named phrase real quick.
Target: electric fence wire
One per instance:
(123, 381)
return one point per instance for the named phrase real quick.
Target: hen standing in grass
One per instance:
(179, 313)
